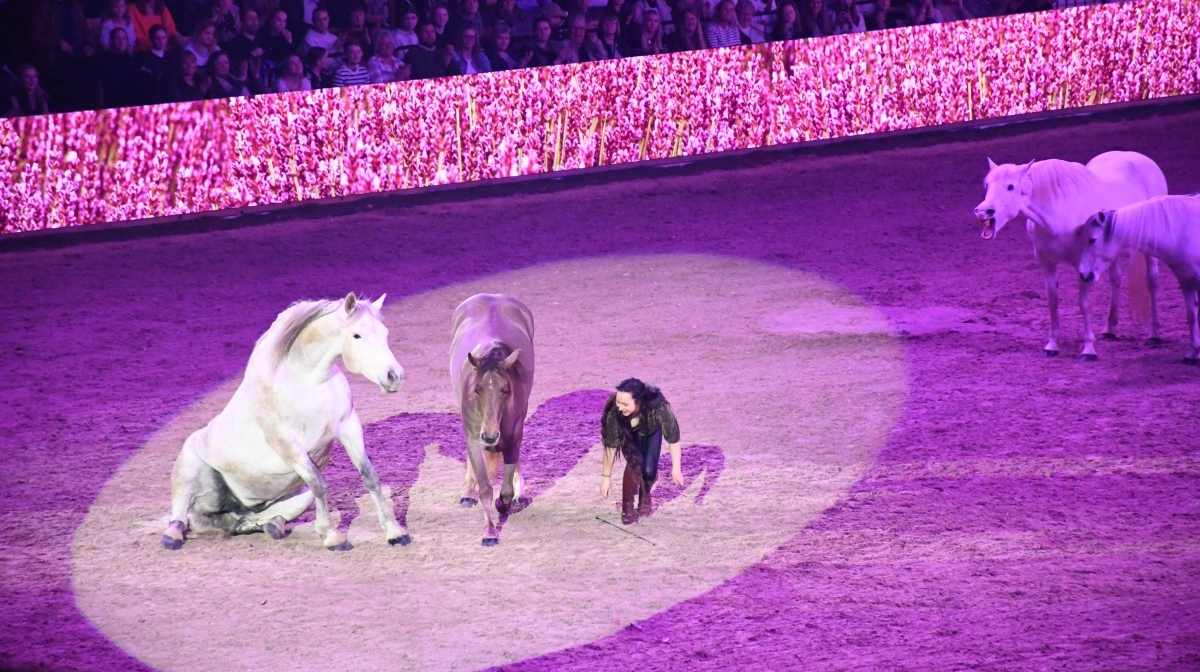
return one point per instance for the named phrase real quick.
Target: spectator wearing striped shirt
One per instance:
(352, 72)
(723, 30)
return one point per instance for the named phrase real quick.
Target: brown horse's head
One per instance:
(490, 390)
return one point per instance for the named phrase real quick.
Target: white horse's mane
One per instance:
(1143, 221)
(1055, 180)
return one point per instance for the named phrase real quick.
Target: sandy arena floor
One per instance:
(882, 471)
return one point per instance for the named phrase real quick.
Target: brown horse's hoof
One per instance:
(467, 502)
(171, 543)
(491, 541)
(1108, 336)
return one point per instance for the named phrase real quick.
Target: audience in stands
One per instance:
(63, 55)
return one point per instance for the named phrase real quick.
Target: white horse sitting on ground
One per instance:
(1167, 227)
(244, 472)
(1055, 198)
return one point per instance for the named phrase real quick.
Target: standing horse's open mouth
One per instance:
(989, 228)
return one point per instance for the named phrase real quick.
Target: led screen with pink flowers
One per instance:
(162, 160)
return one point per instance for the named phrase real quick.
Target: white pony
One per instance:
(1054, 198)
(1167, 227)
(244, 472)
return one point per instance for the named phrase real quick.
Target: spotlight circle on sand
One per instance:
(795, 380)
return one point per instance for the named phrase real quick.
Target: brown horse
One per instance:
(491, 369)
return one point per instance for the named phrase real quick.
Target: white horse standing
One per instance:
(1055, 198)
(1167, 227)
(244, 471)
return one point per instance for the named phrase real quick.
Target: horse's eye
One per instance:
(357, 336)
(1010, 187)
(1092, 241)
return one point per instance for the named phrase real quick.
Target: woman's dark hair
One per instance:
(314, 55)
(155, 29)
(647, 397)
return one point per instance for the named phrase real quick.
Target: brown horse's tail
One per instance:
(1139, 291)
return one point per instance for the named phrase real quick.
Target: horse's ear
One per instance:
(991, 164)
(512, 358)
(1107, 219)
(1026, 167)
(377, 304)
(474, 362)
(351, 303)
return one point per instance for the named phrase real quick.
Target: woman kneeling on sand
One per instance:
(636, 419)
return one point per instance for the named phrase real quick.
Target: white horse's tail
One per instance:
(1139, 291)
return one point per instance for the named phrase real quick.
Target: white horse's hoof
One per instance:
(1191, 361)
(491, 541)
(1154, 341)
(344, 546)
(171, 543)
(276, 528)
(1089, 357)
(1050, 353)
(1108, 336)
(402, 540)
(468, 502)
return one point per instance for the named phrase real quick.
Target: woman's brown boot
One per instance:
(644, 504)
(629, 488)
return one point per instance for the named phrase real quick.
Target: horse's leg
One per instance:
(471, 496)
(1114, 283)
(1191, 300)
(1085, 308)
(1152, 285)
(185, 484)
(274, 519)
(1051, 349)
(299, 461)
(351, 437)
(478, 464)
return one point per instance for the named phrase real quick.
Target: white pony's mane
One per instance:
(277, 341)
(1145, 221)
(1056, 180)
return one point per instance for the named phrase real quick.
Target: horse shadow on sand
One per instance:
(557, 436)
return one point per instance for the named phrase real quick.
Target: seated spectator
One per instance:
(116, 15)
(661, 7)
(440, 16)
(118, 71)
(722, 31)
(203, 42)
(557, 18)
(146, 14)
(246, 45)
(922, 12)
(352, 72)
(468, 17)
(154, 64)
(688, 36)
(542, 52)
(406, 35)
(187, 83)
(186, 13)
(29, 98)
(223, 84)
(468, 56)
(357, 32)
(320, 69)
(817, 22)
(605, 43)
(515, 18)
(291, 76)
(425, 59)
(573, 50)
(647, 39)
(319, 36)
(384, 67)
(881, 16)
(847, 19)
(276, 40)
(787, 23)
(376, 14)
(224, 15)
(749, 27)
(497, 55)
